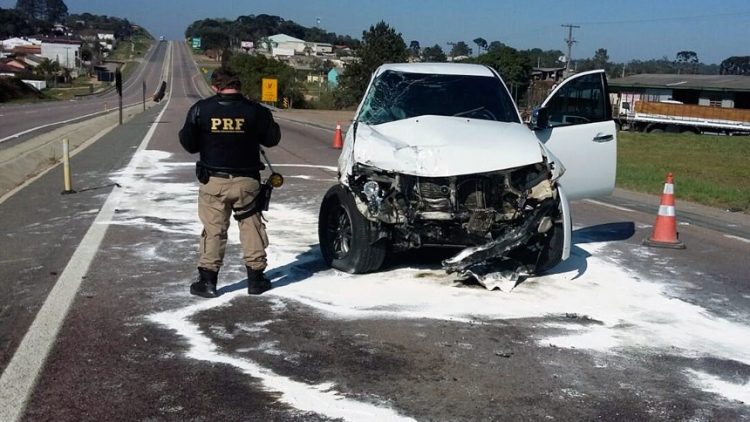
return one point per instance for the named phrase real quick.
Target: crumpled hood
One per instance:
(438, 146)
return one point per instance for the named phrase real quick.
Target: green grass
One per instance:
(132, 49)
(711, 170)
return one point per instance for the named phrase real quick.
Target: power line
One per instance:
(667, 19)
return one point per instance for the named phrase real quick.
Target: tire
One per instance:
(656, 130)
(551, 255)
(347, 239)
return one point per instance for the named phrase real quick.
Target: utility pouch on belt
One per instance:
(259, 204)
(202, 173)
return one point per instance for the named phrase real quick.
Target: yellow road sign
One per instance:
(270, 91)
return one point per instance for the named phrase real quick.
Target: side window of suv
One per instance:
(579, 102)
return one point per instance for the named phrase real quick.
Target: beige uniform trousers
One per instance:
(215, 202)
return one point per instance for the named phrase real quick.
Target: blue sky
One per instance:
(628, 29)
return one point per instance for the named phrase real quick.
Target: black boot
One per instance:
(257, 283)
(206, 284)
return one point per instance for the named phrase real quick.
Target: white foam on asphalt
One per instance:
(714, 384)
(318, 398)
(632, 314)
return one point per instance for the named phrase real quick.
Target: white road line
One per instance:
(603, 204)
(741, 239)
(18, 380)
(312, 166)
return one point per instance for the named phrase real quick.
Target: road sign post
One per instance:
(144, 95)
(269, 90)
(118, 86)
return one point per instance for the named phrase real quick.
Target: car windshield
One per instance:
(399, 95)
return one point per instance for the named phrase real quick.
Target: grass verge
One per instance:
(711, 170)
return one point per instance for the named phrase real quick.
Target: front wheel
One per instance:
(348, 240)
(551, 253)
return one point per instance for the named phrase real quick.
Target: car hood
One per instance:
(438, 146)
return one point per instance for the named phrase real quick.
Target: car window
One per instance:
(399, 95)
(579, 101)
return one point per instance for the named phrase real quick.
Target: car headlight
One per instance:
(371, 189)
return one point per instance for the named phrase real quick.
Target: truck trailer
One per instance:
(635, 113)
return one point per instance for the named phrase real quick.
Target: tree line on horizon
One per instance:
(38, 17)
(220, 34)
(381, 43)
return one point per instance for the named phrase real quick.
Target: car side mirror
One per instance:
(540, 118)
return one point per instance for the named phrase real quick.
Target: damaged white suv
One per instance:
(438, 155)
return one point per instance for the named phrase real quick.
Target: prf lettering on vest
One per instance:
(221, 125)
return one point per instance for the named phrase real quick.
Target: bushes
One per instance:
(14, 89)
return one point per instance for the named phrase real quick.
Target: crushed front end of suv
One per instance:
(439, 156)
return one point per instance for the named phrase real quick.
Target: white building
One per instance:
(285, 43)
(322, 48)
(107, 40)
(65, 52)
(12, 43)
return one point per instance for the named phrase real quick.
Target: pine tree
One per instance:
(52, 11)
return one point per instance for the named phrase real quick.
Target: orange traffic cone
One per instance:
(665, 228)
(338, 142)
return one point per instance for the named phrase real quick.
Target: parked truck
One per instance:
(635, 113)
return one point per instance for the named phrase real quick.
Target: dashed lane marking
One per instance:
(604, 204)
(741, 239)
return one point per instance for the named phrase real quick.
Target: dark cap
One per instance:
(224, 78)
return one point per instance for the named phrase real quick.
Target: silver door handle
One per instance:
(603, 138)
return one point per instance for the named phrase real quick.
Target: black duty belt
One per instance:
(225, 175)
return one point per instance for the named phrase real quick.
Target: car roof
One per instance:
(438, 69)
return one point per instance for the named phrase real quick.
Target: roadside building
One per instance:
(322, 49)
(8, 70)
(16, 65)
(727, 91)
(107, 40)
(554, 74)
(333, 76)
(67, 52)
(284, 45)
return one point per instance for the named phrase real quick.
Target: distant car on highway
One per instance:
(438, 155)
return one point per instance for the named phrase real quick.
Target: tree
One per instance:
(481, 44)
(48, 69)
(434, 54)
(600, 59)
(512, 65)
(686, 61)
(460, 49)
(380, 44)
(735, 65)
(414, 49)
(14, 23)
(542, 58)
(494, 45)
(252, 69)
(52, 11)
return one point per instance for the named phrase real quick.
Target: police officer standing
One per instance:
(228, 130)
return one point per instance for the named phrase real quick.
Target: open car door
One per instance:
(578, 129)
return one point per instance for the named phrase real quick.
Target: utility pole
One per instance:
(569, 41)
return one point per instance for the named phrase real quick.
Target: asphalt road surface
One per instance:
(618, 332)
